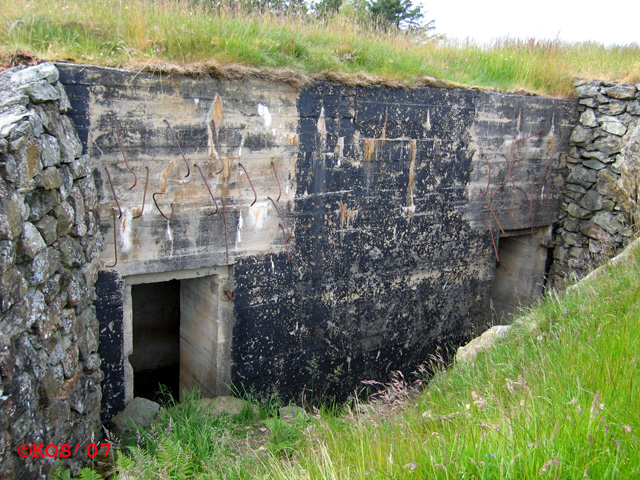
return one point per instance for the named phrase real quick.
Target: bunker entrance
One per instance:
(521, 273)
(156, 338)
(180, 331)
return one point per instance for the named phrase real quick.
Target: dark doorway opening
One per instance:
(156, 339)
(520, 274)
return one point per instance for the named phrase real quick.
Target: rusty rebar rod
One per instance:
(286, 243)
(113, 190)
(208, 188)
(144, 196)
(484, 196)
(511, 216)
(493, 240)
(281, 218)
(255, 195)
(277, 180)
(135, 177)
(115, 240)
(158, 207)
(175, 139)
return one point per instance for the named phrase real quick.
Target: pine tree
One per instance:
(396, 12)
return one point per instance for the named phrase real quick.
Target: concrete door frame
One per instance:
(222, 278)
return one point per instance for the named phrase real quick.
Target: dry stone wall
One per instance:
(49, 244)
(601, 193)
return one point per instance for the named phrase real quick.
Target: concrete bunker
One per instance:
(355, 226)
(179, 333)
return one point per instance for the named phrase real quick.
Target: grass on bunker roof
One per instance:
(227, 40)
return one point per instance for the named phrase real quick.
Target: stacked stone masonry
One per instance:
(49, 245)
(601, 193)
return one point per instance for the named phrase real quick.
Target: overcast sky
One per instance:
(607, 22)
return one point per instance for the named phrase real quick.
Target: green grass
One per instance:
(556, 398)
(135, 33)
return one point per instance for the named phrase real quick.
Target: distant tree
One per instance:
(396, 13)
(328, 7)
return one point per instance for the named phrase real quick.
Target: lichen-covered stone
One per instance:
(49, 179)
(582, 135)
(582, 176)
(12, 287)
(43, 71)
(610, 222)
(41, 91)
(588, 118)
(72, 254)
(592, 201)
(50, 150)
(31, 242)
(10, 213)
(621, 92)
(614, 127)
(615, 108)
(584, 91)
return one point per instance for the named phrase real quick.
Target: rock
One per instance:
(291, 412)
(572, 239)
(615, 108)
(582, 176)
(11, 121)
(31, 242)
(592, 201)
(621, 92)
(50, 150)
(630, 177)
(606, 183)
(614, 127)
(41, 202)
(65, 214)
(588, 118)
(49, 179)
(589, 102)
(576, 211)
(608, 144)
(634, 108)
(47, 226)
(10, 213)
(64, 105)
(44, 265)
(70, 144)
(7, 255)
(584, 91)
(222, 404)
(595, 232)
(484, 342)
(71, 252)
(44, 71)
(594, 164)
(581, 135)
(595, 154)
(609, 222)
(41, 91)
(12, 287)
(139, 413)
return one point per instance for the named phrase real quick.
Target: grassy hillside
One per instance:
(557, 398)
(229, 40)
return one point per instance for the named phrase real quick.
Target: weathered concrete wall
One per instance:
(601, 199)
(372, 236)
(49, 243)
